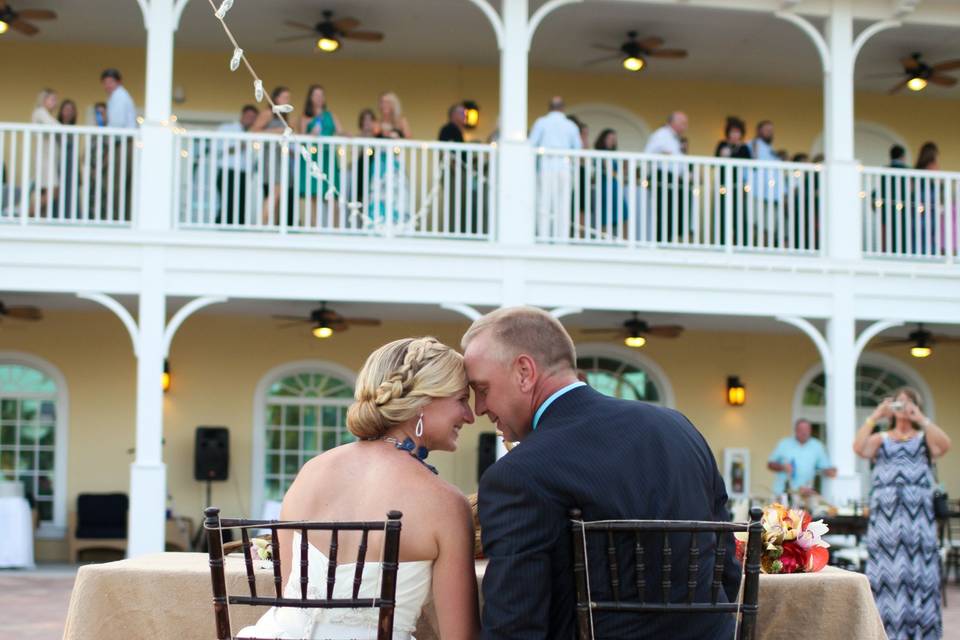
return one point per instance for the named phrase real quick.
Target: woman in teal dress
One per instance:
(318, 121)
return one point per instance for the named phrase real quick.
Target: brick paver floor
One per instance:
(33, 604)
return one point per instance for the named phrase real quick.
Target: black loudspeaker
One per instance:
(486, 452)
(211, 453)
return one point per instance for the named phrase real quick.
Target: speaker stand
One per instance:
(200, 539)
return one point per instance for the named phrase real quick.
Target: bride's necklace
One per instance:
(418, 453)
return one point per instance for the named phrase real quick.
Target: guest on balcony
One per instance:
(100, 114)
(45, 152)
(456, 172)
(67, 116)
(319, 121)
(121, 114)
(278, 161)
(927, 198)
(393, 124)
(232, 173)
(767, 184)
(613, 206)
(452, 131)
(732, 179)
(554, 131)
(668, 189)
(897, 155)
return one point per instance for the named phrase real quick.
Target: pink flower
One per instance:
(812, 535)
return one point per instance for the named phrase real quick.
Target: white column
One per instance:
(842, 222)
(148, 474)
(155, 206)
(516, 171)
(841, 397)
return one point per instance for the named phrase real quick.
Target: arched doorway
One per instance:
(624, 374)
(300, 411)
(871, 143)
(632, 131)
(33, 435)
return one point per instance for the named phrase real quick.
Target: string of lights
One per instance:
(281, 110)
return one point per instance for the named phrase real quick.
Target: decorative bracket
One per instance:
(812, 32)
(120, 311)
(185, 312)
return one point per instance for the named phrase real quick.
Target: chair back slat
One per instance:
(277, 579)
(614, 567)
(361, 559)
(388, 588)
(693, 569)
(248, 563)
(217, 576)
(665, 580)
(620, 602)
(385, 601)
(720, 557)
(580, 576)
(332, 566)
(304, 563)
(641, 571)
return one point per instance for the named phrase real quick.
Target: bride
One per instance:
(411, 396)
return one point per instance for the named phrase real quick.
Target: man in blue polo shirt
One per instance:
(799, 458)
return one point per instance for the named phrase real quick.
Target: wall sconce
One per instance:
(472, 110)
(165, 376)
(736, 392)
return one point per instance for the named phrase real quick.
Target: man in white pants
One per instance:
(554, 193)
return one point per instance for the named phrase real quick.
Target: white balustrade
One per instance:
(263, 182)
(631, 199)
(910, 214)
(68, 175)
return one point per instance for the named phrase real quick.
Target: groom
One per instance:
(613, 459)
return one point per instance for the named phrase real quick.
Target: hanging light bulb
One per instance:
(635, 341)
(633, 63)
(322, 330)
(4, 27)
(258, 90)
(921, 351)
(328, 45)
(917, 84)
(235, 60)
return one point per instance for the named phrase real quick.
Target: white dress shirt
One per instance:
(233, 155)
(121, 113)
(555, 131)
(664, 141)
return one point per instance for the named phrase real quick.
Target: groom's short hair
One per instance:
(527, 330)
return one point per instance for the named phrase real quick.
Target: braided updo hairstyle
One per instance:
(399, 379)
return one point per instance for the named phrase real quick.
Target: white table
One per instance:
(16, 533)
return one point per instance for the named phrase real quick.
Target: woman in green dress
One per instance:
(318, 121)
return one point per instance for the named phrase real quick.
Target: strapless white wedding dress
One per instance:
(413, 588)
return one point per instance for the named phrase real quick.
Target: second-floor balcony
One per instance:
(267, 184)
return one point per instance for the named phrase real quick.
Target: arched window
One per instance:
(32, 435)
(301, 411)
(623, 374)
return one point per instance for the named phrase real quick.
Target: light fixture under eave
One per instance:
(917, 84)
(635, 341)
(165, 376)
(4, 27)
(921, 351)
(736, 392)
(633, 63)
(322, 331)
(472, 112)
(328, 45)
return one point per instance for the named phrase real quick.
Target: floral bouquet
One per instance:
(792, 541)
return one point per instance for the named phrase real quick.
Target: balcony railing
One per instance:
(334, 185)
(68, 175)
(642, 200)
(909, 214)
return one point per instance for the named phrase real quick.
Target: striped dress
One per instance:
(904, 564)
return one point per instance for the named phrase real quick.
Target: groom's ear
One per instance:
(525, 370)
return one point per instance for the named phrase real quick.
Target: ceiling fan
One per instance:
(329, 32)
(917, 74)
(635, 331)
(633, 53)
(921, 341)
(326, 321)
(9, 17)
(20, 312)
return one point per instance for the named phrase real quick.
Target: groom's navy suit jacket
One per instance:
(613, 459)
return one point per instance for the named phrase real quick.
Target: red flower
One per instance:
(794, 557)
(817, 559)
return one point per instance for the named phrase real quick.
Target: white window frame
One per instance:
(58, 528)
(638, 360)
(257, 462)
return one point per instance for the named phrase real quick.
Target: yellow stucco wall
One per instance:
(218, 359)
(426, 91)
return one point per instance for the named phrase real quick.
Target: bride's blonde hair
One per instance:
(399, 379)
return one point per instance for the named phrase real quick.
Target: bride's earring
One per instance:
(419, 429)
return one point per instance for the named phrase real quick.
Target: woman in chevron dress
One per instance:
(904, 558)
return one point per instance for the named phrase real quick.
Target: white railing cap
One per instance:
(71, 128)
